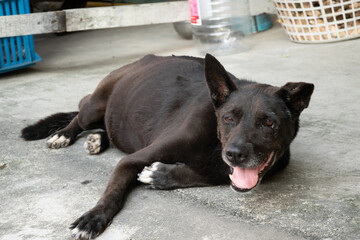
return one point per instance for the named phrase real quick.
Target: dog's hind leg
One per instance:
(171, 176)
(61, 129)
(65, 136)
(90, 116)
(96, 142)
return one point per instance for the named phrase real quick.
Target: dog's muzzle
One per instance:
(246, 179)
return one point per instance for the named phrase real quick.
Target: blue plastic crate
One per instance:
(16, 52)
(261, 22)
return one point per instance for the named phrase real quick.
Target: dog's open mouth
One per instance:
(245, 179)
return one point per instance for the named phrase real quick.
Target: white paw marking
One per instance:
(92, 144)
(57, 141)
(146, 175)
(74, 232)
(79, 235)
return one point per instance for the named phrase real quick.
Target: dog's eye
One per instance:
(269, 123)
(228, 119)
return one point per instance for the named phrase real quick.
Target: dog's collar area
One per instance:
(246, 179)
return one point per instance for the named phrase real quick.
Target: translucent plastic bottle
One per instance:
(220, 26)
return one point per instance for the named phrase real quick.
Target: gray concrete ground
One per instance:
(317, 197)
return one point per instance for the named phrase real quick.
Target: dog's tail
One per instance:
(47, 126)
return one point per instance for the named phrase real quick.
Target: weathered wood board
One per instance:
(123, 16)
(35, 23)
(93, 18)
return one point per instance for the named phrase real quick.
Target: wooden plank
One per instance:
(93, 18)
(124, 16)
(35, 23)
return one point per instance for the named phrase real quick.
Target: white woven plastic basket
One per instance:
(319, 21)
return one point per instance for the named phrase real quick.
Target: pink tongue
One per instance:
(245, 178)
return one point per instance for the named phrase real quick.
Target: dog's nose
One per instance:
(237, 154)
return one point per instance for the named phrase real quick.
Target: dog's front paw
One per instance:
(58, 141)
(92, 144)
(89, 225)
(158, 176)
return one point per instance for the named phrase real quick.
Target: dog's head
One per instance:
(256, 122)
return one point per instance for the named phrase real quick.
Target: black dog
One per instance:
(159, 110)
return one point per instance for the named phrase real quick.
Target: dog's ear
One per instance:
(219, 83)
(297, 95)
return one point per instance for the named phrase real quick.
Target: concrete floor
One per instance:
(316, 197)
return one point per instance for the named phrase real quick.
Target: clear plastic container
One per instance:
(220, 26)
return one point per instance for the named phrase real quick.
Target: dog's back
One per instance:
(156, 99)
